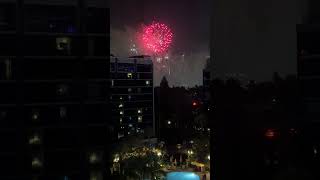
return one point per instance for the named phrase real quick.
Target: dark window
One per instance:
(101, 46)
(48, 92)
(49, 69)
(308, 41)
(144, 68)
(7, 17)
(126, 67)
(309, 68)
(97, 91)
(8, 93)
(52, 46)
(97, 68)
(145, 75)
(310, 88)
(97, 20)
(42, 18)
(131, 83)
(63, 161)
(112, 67)
(97, 135)
(7, 45)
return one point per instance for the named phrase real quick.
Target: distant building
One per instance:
(132, 95)
(54, 90)
(309, 80)
(207, 78)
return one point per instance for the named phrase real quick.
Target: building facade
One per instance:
(309, 79)
(132, 95)
(54, 84)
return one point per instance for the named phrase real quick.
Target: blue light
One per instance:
(71, 29)
(182, 176)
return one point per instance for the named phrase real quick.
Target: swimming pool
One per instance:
(182, 176)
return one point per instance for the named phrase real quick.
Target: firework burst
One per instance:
(157, 38)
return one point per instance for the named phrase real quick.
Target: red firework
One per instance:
(157, 37)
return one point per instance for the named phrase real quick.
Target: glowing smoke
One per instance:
(185, 68)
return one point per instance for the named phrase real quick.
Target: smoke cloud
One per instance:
(180, 68)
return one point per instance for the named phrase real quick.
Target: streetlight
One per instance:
(209, 157)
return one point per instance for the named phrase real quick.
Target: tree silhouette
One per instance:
(164, 82)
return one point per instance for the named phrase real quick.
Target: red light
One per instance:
(270, 133)
(194, 103)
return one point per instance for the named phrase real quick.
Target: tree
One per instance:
(164, 82)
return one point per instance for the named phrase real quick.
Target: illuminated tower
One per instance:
(132, 96)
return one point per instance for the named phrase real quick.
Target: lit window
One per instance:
(121, 112)
(147, 83)
(129, 75)
(112, 82)
(120, 120)
(120, 135)
(96, 176)
(62, 89)
(36, 162)
(63, 44)
(63, 112)
(5, 68)
(129, 97)
(139, 119)
(120, 105)
(129, 133)
(139, 90)
(35, 139)
(121, 98)
(139, 111)
(130, 125)
(169, 122)
(129, 89)
(94, 158)
(35, 115)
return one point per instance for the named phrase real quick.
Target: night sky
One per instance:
(190, 22)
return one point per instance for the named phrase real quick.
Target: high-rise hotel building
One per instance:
(131, 96)
(54, 84)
